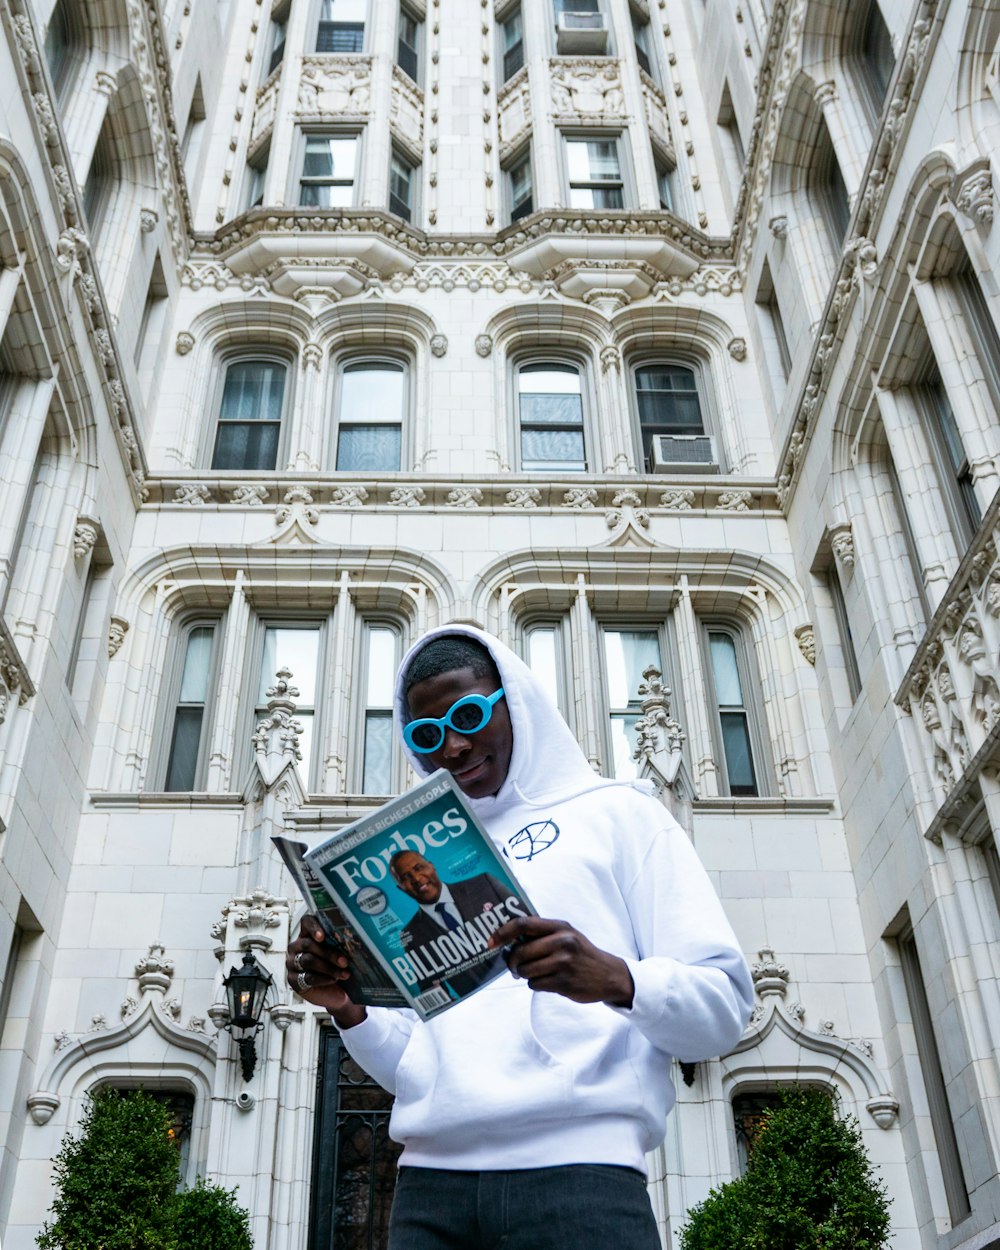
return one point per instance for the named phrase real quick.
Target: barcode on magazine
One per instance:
(431, 999)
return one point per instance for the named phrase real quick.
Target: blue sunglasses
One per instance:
(466, 716)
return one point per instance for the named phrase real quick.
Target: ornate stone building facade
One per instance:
(659, 337)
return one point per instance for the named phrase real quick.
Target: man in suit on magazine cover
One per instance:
(445, 906)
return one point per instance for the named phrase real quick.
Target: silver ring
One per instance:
(297, 961)
(303, 981)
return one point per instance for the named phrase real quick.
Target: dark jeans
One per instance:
(582, 1207)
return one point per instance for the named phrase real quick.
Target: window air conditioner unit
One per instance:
(683, 453)
(581, 33)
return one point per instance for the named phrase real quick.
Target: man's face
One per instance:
(479, 761)
(416, 877)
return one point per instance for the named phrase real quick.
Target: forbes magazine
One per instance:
(424, 888)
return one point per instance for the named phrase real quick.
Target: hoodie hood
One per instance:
(546, 763)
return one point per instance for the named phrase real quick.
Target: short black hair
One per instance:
(447, 653)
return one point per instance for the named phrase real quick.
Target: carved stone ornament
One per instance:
(148, 220)
(769, 976)
(779, 226)
(861, 252)
(407, 496)
(84, 538)
(484, 345)
(626, 505)
(734, 501)
(972, 194)
(255, 913)
(349, 496)
(71, 245)
(659, 738)
(677, 500)
(191, 494)
(583, 497)
(611, 358)
(277, 735)
(842, 544)
(154, 970)
(738, 348)
(117, 630)
(464, 497)
(297, 501)
(335, 87)
(806, 638)
(884, 1109)
(249, 495)
(439, 345)
(184, 343)
(587, 87)
(523, 497)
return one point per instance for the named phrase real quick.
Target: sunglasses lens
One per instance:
(426, 737)
(468, 718)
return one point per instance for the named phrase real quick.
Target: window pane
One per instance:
(552, 449)
(343, 11)
(622, 745)
(549, 380)
(381, 667)
(378, 753)
(340, 37)
(253, 392)
(728, 691)
(328, 157)
(551, 410)
(182, 767)
(596, 197)
(197, 666)
(627, 653)
(369, 448)
(736, 746)
(251, 445)
(542, 661)
(372, 392)
(325, 195)
(294, 649)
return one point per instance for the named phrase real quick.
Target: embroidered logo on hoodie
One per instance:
(532, 839)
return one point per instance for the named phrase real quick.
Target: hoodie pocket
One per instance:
(592, 1042)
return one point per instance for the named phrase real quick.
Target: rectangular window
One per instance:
(543, 654)
(59, 48)
(187, 740)
(954, 469)
(844, 631)
(341, 26)
(627, 652)
(550, 413)
(99, 185)
(250, 415)
(981, 327)
(408, 44)
(664, 181)
(370, 426)
(519, 187)
(329, 171)
(194, 130)
(380, 666)
(402, 186)
(640, 36)
(279, 29)
(256, 177)
(767, 302)
(512, 43)
(945, 1137)
(595, 177)
(732, 713)
(296, 649)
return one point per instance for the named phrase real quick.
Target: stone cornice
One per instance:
(418, 244)
(503, 491)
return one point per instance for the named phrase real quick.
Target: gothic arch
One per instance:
(977, 110)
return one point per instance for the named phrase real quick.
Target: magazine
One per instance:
(419, 882)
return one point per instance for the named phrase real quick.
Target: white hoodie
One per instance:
(512, 1078)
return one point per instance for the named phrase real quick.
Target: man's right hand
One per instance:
(315, 970)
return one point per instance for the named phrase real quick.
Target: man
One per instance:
(526, 1111)
(442, 908)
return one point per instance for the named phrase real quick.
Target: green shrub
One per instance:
(808, 1186)
(116, 1186)
(209, 1218)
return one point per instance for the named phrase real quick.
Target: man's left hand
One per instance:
(555, 958)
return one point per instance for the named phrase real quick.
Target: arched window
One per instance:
(869, 49)
(249, 422)
(669, 411)
(627, 653)
(98, 189)
(371, 403)
(550, 417)
(380, 657)
(64, 46)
